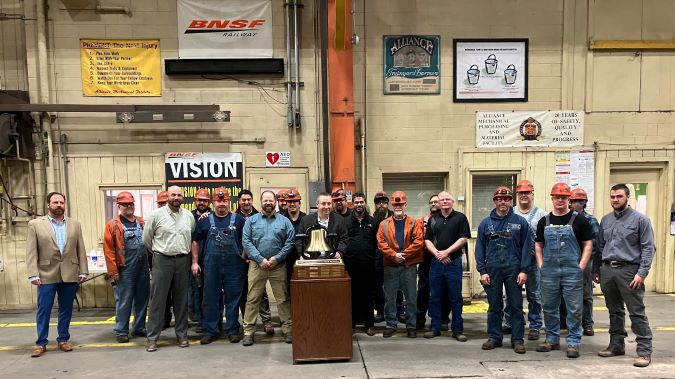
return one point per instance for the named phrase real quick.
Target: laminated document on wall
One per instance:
(577, 169)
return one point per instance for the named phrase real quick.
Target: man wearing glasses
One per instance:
(126, 260)
(563, 248)
(503, 260)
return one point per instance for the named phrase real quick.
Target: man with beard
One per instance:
(246, 210)
(626, 241)
(126, 261)
(295, 215)
(446, 236)
(267, 239)
(168, 234)
(578, 202)
(360, 262)
(202, 202)
(563, 248)
(333, 222)
(503, 259)
(340, 203)
(56, 262)
(219, 237)
(400, 239)
(282, 202)
(423, 289)
(382, 211)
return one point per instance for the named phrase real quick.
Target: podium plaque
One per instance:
(322, 312)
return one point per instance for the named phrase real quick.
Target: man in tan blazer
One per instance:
(57, 263)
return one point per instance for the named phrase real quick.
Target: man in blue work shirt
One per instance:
(626, 240)
(220, 236)
(267, 239)
(503, 260)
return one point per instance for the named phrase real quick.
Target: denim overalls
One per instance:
(133, 285)
(224, 272)
(560, 272)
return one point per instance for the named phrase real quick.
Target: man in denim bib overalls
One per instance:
(223, 266)
(563, 248)
(127, 265)
(503, 260)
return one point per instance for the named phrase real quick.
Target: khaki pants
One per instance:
(257, 281)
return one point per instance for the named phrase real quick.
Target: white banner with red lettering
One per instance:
(224, 29)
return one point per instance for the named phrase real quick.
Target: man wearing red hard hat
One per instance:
(563, 246)
(126, 261)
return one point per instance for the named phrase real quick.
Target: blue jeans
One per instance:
(45, 298)
(223, 275)
(405, 279)
(533, 292)
(504, 277)
(132, 292)
(446, 281)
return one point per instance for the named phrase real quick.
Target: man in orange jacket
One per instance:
(127, 263)
(400, 240)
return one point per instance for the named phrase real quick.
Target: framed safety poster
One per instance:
(490, 70)
(412, 65)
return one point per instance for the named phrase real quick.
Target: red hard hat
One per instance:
(162, 197)
(202, 194)
(560, 189)
(338, 194)
(282, 194)
(125, 197)
(398, 197)
(221, 193)
(578, 194)
(294, 195)
(524, 186)
(502, 191)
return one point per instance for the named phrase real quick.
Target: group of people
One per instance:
(212, 262)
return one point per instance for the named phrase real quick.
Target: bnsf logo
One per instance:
(206, 26)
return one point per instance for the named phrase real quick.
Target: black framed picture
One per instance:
(490, 70)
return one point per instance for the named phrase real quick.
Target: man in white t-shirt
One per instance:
(531, 213)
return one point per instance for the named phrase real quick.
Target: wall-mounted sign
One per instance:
(192, 171)
(487, 70)
(529, 129)
(412, 64)
(278, 159)
(121, 67)
(577, 168)
(231, 29)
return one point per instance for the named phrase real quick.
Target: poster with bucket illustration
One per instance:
(412, 64)
(490, 70)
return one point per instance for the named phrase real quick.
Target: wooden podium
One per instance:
(322, 315)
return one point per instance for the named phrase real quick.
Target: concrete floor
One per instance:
(97, 355)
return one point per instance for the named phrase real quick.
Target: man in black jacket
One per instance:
(295, 215)
(333, 222)
(360, 262)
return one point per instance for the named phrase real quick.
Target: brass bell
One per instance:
(318, 244)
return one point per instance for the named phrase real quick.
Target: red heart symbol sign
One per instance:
(273, 157)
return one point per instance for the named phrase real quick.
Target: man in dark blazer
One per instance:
(329, 220)
(57, 263)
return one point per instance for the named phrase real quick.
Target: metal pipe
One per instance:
(259, 141)
(296, 45)
(289, 67)
(43, 80)
(106, 9)
(323, 36)
(362, 142)
(63, 143)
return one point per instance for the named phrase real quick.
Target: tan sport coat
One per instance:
(43, 257)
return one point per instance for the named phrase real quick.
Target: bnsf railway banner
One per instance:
(412, 64)
(225, 29)
(529, 129)
(192, 171)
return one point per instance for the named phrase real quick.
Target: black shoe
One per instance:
(207, 339)
(388, 332)
(588, 331)
(412, 333)
(490, 344)
(248, 340)
(432, 333)
(234, 338)
(122, 338)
